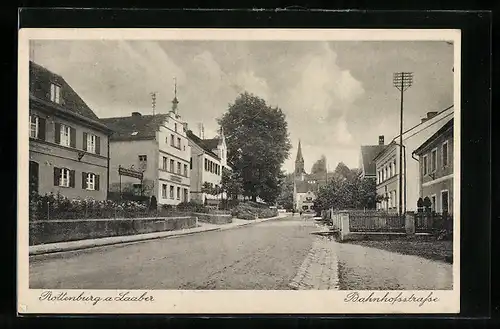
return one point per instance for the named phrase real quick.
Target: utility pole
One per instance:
(402, 81)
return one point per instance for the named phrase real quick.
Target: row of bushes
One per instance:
(249, 211)
(56, 206)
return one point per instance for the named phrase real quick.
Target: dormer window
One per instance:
(55, 93)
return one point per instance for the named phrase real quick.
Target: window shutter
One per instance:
(73, 137)
(84, 143)
(97, 145)
(41, 128)
(57, 174)
(57, 135)
(84, 180)
(71, 178)
(96, 184)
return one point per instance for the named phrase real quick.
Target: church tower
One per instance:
(299, 164)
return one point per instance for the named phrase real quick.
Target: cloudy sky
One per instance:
(336, 95)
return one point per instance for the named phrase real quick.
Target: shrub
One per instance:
(247, 210)
(192, 206)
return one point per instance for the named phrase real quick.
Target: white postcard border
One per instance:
(228, 301)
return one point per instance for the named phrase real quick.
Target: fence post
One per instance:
(344, 225)
(410, 222)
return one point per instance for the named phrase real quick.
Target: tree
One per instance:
(346, 190)
(231, 183)
(319, 166)
(258, 144)
(285, 198)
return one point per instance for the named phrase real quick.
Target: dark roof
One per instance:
(205, 144)
(71, 103)
(442, 130)
(40, 80)
(368, 154)
(146, 126)
(211, 143)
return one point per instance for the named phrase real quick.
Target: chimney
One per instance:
(381, 140)
(431, 114)
(136, 114)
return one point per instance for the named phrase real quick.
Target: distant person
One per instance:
(300, 213)
(293, 212)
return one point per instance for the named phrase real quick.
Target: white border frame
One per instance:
(210, 302)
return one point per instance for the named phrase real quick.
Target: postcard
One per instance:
(234, 171)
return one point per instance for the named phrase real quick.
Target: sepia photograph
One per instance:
(266, 166)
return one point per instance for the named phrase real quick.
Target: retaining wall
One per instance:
(51, 231)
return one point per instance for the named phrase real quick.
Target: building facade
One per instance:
(68, 144)
(208, 160)
(387, 163)
(436, 169)
(157, 146)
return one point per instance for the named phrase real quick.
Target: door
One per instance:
(444, 202)
(33, 177)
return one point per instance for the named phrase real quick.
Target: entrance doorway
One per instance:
(33, 178)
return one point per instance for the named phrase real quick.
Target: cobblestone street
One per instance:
(274, 255)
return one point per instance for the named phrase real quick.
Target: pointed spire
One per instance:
(299, 153)
(175, 101)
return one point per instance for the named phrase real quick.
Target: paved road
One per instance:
(261, 256)
(278, 254)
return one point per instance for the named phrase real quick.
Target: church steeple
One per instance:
(175, 101)
(299, 162)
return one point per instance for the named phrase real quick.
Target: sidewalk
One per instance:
(91, 243)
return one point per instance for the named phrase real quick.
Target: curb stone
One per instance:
(109, 241)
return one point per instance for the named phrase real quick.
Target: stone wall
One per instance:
(214, 218)
(51, 231)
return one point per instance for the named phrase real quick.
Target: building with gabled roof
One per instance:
(388, 166)
(208, 160)
(156, 145)
(68, 143)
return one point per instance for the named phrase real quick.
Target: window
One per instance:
(206, 164)
(34, 126)
(444, 201)
(185, 170)
(186, 195)
(433, 200)
(64, 177)
(179, 168)
(143, 162)
(175, 127)
(55, 93)
(171, 139)
(165, 163)
(91, 143)
(90, 181)
(179, 143)
(433, 160)
(171, 191)
(172, 165)
(191, 163)
(445, 154)
(65, 135)
(164, 191)
(424, 165)
(166, 140)
(178, 193)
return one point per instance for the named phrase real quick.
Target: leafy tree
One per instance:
(231, 183)
(258, 144)
(319, 166)
(286, 196)
(346, 190)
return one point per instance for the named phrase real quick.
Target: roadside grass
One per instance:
(434, 250)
